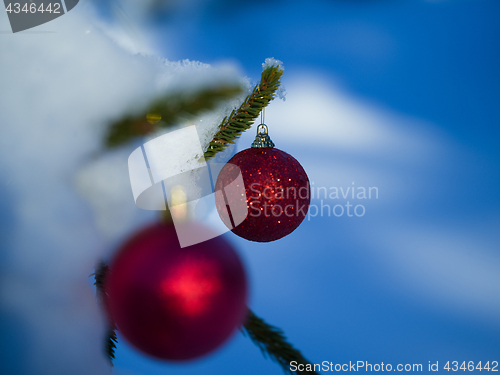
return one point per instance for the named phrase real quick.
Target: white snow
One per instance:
(66, 203)
(271, 61)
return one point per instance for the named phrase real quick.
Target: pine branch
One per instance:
(168, 110)
(271, 340)
(242, 119)
(110, 339)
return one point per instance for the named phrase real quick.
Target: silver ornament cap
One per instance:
(262, 139)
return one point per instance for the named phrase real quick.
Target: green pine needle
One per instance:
(167, 111)
(110, 339)
(272, 340)
(242, 119)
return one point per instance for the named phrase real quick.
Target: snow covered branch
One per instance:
(167, 110)
(242, 119)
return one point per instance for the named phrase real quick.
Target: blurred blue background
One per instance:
(416, 279)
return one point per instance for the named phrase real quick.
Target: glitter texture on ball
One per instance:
(277, 193)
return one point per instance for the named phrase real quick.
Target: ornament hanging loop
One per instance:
(262, 139)
(262, 130)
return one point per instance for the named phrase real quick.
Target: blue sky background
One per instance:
(434, 60)
(399, 95)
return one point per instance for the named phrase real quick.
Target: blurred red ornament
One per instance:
(276, 192)
(176, 303)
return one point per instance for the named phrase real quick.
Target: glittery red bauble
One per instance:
(176, 303)
(277, 194)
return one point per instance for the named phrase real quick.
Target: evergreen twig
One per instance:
(272, 340)
(242, 118)
(168, 110)
(111, 339)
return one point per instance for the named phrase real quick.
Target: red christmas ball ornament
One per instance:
(176, 303)
(276, 193)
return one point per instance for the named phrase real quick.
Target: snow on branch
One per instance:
(167, 110)
(242, 118)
